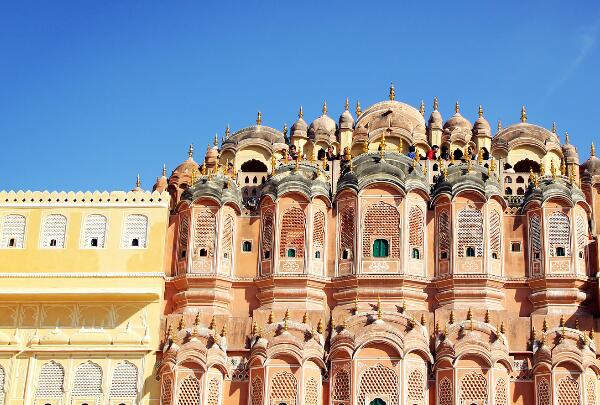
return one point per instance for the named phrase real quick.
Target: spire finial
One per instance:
(435, 103)
(392, 92)
(422, 108)
(300, 113)
(566, 137)
(480, 112)
(523, 114)
(358, 111)
(324, 110)
(164, 172)
(592, 150)
(285, 129)
(469, 314)
(191, 151)
(216, 141)
(553, 127)
(227, 132)
(456, 107)
(499, 125)
(138, 183)
(259, 118)
(347, 106)
(378, 307)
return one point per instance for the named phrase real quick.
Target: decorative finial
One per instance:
(197, 319)
(285, 129)
(577, 323)
(469, 314)
(358, 111)
(523, 114)
(320, 327)
(553, 127)
(347, 106)
(181, 325)
(502, 329)
(499, 127)
(324, 110)
(213, 324)
(259, 118)
(456, 107)
(270, 319)
(451, 318)
(486, 319)
(227, 132)
(254, 328)
(164, 172)
(566, 137)
(392, 92)
(355, 305)
(591, 334)
(224, 330)
(563, 168)
(365, 147)
(138, 183)
(480, 112)
(435, 103)
(297, 163)
(191, 151)
(203, 169)
(286, 315)
(382, 145)
(423, 319)
(572, 174)
(422, 108)
(545, 326)
(436, 328)
(552, 170)
(561, 321)
(493, 165)
(305, 318)
(531, 175)
(542, 169)
(378, 307)
(273, 164)
(480, 157)
(592, 150)
(216, 141)
(404, 307)
(300, 113)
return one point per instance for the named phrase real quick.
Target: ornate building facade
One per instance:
(331, 265)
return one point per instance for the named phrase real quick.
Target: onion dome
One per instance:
(482, 126)
(592, 165)
(161, 182)
(187, 167)
(569, 151)
(346, 120)
(435, 119)
(299, 128)
(138, 183)
(323, 127)
(457, 120)
(212, 156)
(361, 134)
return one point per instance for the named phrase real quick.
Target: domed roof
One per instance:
(524, 133)
(323, 126)
(188, 166)
(435, 119)
(481, 125)
(592, 165)
(161, 182)
(457, 121)
(258, 132)
(346, 120)
(569, 151)
(299, 127)
(212, 155)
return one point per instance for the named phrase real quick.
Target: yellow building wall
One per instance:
(76, 305)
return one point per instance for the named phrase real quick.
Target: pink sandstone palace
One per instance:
(350, 263)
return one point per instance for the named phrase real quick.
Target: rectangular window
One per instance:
(515, 246)
(381, 248)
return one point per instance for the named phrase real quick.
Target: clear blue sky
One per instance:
(92, 93)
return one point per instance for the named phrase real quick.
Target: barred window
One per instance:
(378, 380)
(311, 392)
(495, 238)
(94, 231)
(445, 392)
(88, 380)
(444, 236)
(382, 221)
(135, 231)
(591, 389)
(167, 390)
(341, 386)
(543, 392)
(473, 388)
(53, 231)
(292, 232)
(2, 381)
(416, 231)
(283, 388)
(214, 391)
(228, 232)
(568, 392)
(581, 235)
(559, 235)
(124, 381)
(267, 233)
(189, 391)
(204, 233)
(50, 381)
(470, 233)
(347, 232)
(501, 394)
(416, 387)
(535, 236)
(256, 393)
(13, 231)
(184, 235)
(318, 231)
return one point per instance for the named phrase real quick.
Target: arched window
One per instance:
(347, 232)
(520, 191)
(205, 232)
(124, 381)
(291, 252)
(94, 231)
(184, 235)
(508, 179)
(444, 236)
(559, 234)
(318, 233)
(381, 248)
(590, 389)
(292, 232)
(416, 231)
(416, 387)
(87, 381)
(135, 231)
(54, 230)
(520, 180)
(256, 393)
(508, 191)
(380, 380)
(2, 381)
(50, 381)
(228, 234)
(535, 237)
(495, 238)
(246, 246)
(311, 392)
(267, 233)
(382, 221)
(501, 392)
(473, 388)
(214, 391)
(568, 391)
(581, 236)
(445, 392)
(284, 388)
(167, 390)
(189, 391)
(341, 386)
(470, 233)
(13, 231)
(543, 392)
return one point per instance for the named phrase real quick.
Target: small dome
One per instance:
(569, 151)
(212, 156)
(592, 165)
(482, 127)
(457, 120)
(435, 119)
(299, 128)
(323, 126)
(346, 120)
(188, 166)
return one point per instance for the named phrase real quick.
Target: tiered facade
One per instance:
(328, 266)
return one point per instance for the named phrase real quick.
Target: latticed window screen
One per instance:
(94, 228)
(470, 232)
(167, 390)
(347, 231)
(292, 231)
(136, 230)
(535, 236)
(53, 231)
(568, 392)
(283, 388)
(87, 381)
(543, 392)
(184, 235)
(445, 392)
(189, 391)
(444, 235)
(559, 233)
(13, 228)
(581, 233)
(311, 392)
(257, 391)
(267, 233)
(228, 231)
(382, 221)
(50, 381)
(416, 231)
(214, 391)
(473, 387)
(341, 386)
(204, 232)
(416, 387)
(318, 230)
(501, 394)
(124, 381)
(378, 380)
(591, 389)
(2, 382)
(495, 241)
